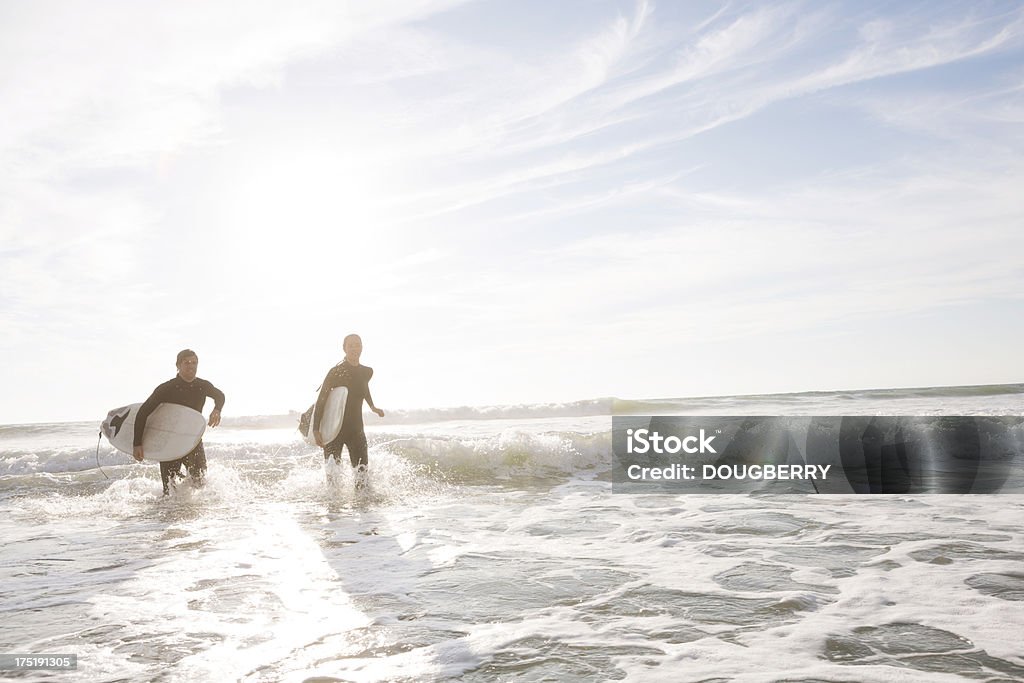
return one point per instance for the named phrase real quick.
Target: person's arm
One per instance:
(218, 402)
(369, 398)
(148, 406)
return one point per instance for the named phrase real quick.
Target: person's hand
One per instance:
(137, 453)
(380, 413)
(319, 439)
(214, 418)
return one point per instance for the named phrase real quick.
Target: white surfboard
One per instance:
(171, 430)
(334, 414)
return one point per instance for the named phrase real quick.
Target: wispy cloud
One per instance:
(737, 66)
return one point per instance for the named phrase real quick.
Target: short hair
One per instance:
(344, 343)
(185, 353)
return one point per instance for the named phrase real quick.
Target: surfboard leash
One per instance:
(98, 438)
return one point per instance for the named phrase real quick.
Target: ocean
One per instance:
(490, 546)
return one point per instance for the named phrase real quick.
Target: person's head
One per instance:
(187, 364)
(353, 347)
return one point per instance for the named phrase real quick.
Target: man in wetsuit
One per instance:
(348, 373)
(185, 390)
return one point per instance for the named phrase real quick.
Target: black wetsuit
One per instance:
(192, 395)
(357, 380)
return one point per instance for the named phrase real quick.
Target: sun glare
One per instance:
(295, 211)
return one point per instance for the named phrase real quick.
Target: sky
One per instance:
(511, 202)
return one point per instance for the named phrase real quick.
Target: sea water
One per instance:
(488, 545)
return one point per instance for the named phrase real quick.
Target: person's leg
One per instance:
(195, 463)
(333, 449)
(359, 457)
(165, 477)
(167, 470)
(357, 450)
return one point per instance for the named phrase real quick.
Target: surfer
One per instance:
(185, 390)
(356, 378)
